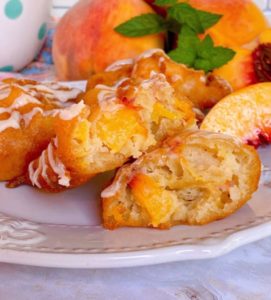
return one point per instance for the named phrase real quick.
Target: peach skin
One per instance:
(242, 21)
(85, 41)
(239, 72)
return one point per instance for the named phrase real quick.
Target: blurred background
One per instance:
(61, 6)
(38, 62)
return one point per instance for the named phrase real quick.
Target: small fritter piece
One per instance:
(27, 113)
(120, 122)
(203, 91)
(195, 178)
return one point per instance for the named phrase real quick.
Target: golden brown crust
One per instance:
(203, 91)
(194, 178)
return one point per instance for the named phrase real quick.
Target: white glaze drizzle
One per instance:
(145, 84)
(44, 167)
(24, 100)
(4, 92)
(19, 102)
(149, 53)
(111, 190)
(175, 77)
(12, 122)
(41, 171)
(72, 111)
(108, 93)
(161, 61)
(31, 172)
(52, 91)
(36, 173)
(30, 115)
(15, 116)
(111, 88)
(58, 167)
(119, 64)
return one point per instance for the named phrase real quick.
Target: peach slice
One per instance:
(265, 36)
(245, 114)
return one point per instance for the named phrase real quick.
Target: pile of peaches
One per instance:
(86, 42)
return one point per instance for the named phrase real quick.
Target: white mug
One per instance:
(23, 27)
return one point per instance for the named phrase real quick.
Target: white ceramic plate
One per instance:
(64, 230)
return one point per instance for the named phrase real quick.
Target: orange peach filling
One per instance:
(117, 128)
(154, 198)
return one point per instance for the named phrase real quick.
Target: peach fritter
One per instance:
(120, 122)
(201, 90)
(194, 178)
(27, 113)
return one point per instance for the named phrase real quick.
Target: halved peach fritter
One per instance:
(203, 91)
(27, 113)
(194, 178)
(121, 122)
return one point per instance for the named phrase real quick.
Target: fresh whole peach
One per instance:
(85, 41)
(239, 28)
(241, 23)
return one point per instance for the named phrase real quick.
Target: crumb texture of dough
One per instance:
(194, 178)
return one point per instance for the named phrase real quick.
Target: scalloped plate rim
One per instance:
(167, 254)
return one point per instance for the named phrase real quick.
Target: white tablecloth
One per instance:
(243, 274)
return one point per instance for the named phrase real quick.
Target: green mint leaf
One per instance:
(210, 57)
(220, 56)
(165, 2)
(205, 47)
(186, 51)
(188, 39)
(201, 55)
(142, 25)
(186, 14)
(207, 19)
(173, 26)
(182, 56)
(203, 64)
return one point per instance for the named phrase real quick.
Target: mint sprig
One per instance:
(188, 22)
(207, 19)
(185, 14)
(186, 52)
(199, 54)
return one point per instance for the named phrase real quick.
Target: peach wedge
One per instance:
(245, 114)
